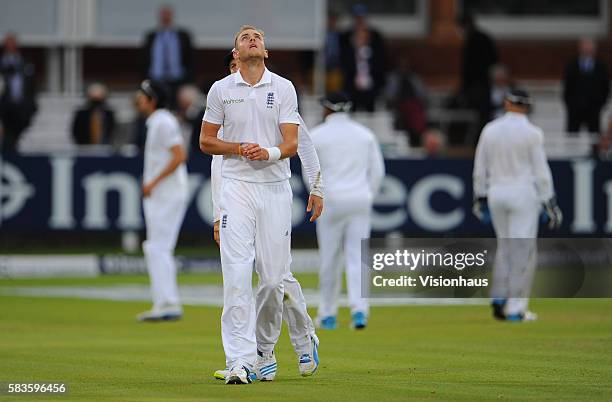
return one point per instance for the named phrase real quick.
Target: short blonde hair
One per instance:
(244, 28)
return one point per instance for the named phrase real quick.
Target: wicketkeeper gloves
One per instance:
(551, 214)
(480, 209)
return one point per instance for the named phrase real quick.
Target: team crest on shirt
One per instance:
(270, 100)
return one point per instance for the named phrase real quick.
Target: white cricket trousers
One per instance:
(340, 230)
(255, 230)
(163, 218)
(295, 314)
(515, 211)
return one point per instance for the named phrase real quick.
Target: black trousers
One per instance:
(15, 119)
(364, 100)
(589, 117)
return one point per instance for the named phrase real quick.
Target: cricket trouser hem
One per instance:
(296, 316)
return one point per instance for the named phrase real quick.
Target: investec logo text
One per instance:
(232, 101)
(400, 201)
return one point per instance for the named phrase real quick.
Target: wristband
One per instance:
(274, 153)
(317, 186)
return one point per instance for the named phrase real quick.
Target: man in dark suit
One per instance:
(169, 54)
(585, 88)
(479, 54)
(94, 123)
(17, 94)
(363, 62)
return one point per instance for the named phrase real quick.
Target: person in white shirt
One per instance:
(352, 179)
(259, 114)
(513, 181)
(165, 199)
(295, 313)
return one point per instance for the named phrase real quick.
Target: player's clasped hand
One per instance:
(254, 152)
(315, 204)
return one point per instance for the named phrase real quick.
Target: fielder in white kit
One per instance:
(165, 200)
(352, 179)
(259, 114)
(295, 313)
(513, 181)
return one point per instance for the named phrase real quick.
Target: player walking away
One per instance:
(294, 305)
(259, 114)
(352, 178)
(512, 179)
(165, 199)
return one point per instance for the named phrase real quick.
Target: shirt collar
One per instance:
(337, 116)
(153, 116)
(266, 78)
(516, 115)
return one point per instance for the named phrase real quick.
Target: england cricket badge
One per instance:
(270, 100)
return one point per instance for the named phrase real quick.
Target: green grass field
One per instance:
(407, 353)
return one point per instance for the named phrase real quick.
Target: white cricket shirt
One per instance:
(253, 114)
(163, 133)
(511, 151)
(351, 162)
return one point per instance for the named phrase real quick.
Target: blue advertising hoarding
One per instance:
(64, 192)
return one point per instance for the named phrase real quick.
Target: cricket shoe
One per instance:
(360, 320)
(222, 374)
(239, 375)
(328, 322)
(309, 362)
(165, 313)
(498, 306)
(522, 317)
(265, 366)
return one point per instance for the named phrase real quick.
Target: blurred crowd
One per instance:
(357, 62)
(17, 94)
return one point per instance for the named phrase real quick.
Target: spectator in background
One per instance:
(363, 62)
(17, 94)
(190, 113)
(585, 88)
(479, 54)
(501, 85)
(490, 103)
(139, 126)
(333, 81)
(433, 143)
(605, 148)
(169, 54)
(94, 122)
(407, 97)
(602, 150)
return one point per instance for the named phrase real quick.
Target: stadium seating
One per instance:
(50, 130)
